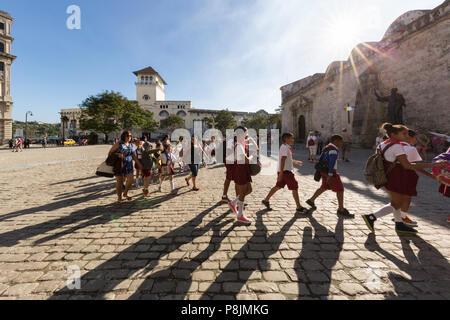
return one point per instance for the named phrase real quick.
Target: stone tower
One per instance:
(149, 88)
(6, 60)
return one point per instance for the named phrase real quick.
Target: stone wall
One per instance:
(413, 57)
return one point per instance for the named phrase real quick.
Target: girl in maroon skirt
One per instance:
(401, 178)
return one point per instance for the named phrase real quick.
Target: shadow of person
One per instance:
(317, 258)
(102, 190)
(144, 254)
(428, 270)
(177, 279)
(248, 266)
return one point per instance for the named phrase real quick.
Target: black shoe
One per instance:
(267, 204)
(402, 228)
(311, 204)
(345, 214)
(302, 210)
(370, 221)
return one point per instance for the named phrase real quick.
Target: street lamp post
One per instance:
(26, 124)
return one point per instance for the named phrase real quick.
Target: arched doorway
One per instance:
(301, 129)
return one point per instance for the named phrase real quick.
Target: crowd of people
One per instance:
(145, 163)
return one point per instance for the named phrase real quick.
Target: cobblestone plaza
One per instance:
(59, 221)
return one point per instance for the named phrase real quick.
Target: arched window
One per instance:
(181, 114)
(163, 114)
(2, 26)
(146, 97)
(151, 80)
(2, 66)
(2, 47)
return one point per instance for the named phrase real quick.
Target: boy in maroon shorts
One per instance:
(228, 160)
(285, 173)
(331, 179)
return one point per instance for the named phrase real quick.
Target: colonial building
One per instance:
(413, 56)
(6, 60)
(151, 96)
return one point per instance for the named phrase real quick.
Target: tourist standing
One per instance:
(125, 150)
(331, 179)
(401, 178)
(10, 142)
(311, 144)
(347, 138)
(44, 142)
(286, 175)
(320, 143)
(379, 140)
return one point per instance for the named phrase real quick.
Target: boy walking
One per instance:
(285, 173)
(147, 165)
(330, 178)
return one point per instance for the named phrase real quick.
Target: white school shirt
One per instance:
(285, 151)
(393, 152)
(411, 153)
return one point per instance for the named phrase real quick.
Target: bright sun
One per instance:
(343, 33)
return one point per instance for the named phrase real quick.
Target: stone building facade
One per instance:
(151, 96)
(413, 56)
(6, 60)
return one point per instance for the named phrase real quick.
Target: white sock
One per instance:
(398, 215)
(404, 214)
(384, 211)
(235, 201)
(172, 186)
(240, 208)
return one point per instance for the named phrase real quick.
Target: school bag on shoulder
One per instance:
(105, 170)
(374, 170)
(322, 166)
(310, 142)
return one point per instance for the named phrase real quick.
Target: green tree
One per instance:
(224, 120)
(100, 113)
(210, 122)
(258, 121)
(172, 122)
(133, 116)
(275, 119)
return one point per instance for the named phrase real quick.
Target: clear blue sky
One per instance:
(217, 53)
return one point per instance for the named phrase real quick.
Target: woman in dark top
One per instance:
(125, 150)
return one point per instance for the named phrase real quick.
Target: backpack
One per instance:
(322, 166)
(311, 142)
(374, 170)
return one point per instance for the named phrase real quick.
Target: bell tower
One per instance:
(149, 88)
(6, 59)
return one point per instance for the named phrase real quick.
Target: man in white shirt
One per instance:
(285, 173)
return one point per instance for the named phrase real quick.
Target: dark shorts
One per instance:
(288, 180)
(400, 180)
(194, 169)
(335, 184)
(147, 173)
(230, 168)
(241, 174)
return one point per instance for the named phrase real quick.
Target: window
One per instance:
(146, 97)
(2, 47)
(181, 114)
(2, 66)
(163, 114)
(142, 79)
(2, 26)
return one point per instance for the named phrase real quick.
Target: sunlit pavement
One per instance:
(63, 237)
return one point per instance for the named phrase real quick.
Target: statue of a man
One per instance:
(396, 102)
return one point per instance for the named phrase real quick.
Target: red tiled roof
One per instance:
(149, 70)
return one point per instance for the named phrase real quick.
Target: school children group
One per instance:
(399, 161)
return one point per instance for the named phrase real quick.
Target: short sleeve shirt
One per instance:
(285, 151)
(411, 153)
(393, 152)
